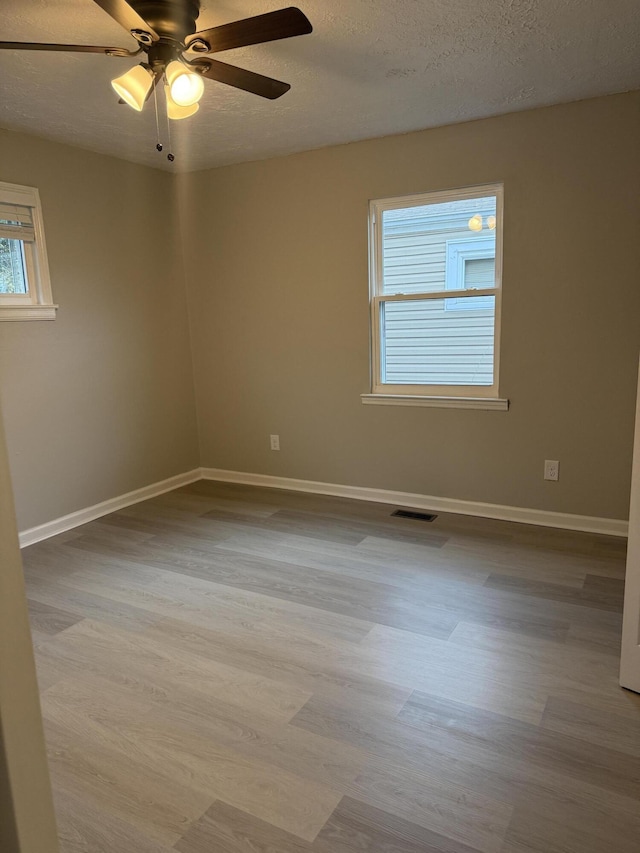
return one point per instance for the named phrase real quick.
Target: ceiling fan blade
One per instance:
(127, 16)
(240, 78)
(74, 48)
(282, 24)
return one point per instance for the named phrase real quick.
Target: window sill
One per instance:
(496, 404)
(28, 312)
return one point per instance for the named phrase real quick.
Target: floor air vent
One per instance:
(408, 513)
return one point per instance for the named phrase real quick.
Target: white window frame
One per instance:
(37, 303)
(462, 396)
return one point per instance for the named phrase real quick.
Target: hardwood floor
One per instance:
(243, 670)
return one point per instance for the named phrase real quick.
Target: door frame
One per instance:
(27, 821)
(630, 654)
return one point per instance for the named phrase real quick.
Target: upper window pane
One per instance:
(426, 248)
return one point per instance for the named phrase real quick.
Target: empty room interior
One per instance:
(319, 341)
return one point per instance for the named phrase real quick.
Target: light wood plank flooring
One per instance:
(244, 670)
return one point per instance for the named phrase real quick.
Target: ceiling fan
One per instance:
(166, 32)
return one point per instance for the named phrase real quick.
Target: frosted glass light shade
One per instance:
(186, 86)
(475, 223)
(133, 87)
(175, 111)
(491, 222)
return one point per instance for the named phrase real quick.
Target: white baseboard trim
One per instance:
(541, 517)
(82, 516)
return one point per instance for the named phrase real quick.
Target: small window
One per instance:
(25, 288)
(435, 293)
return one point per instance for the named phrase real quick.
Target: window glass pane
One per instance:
(12, 273)
(426, 343)
(426, 248)
(479, 272)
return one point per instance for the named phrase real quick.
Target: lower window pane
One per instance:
(12, 274)
(424, 342)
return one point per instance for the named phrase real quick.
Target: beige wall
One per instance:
(100, 401)
(27, 823)
(277, 276)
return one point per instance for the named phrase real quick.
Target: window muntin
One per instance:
(424, 341)
(25, 289)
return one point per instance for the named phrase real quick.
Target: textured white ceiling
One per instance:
(370, 68)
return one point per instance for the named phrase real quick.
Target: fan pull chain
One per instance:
(155, 103)
(170, 156)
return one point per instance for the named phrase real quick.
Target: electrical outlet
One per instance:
(275, 442)
(551, 469)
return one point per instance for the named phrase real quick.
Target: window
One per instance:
(470, 264)
(435, 298)
(25, 289)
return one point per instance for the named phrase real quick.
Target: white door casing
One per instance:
(630, 659)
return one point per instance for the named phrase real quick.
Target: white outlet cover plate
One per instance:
(551, 469)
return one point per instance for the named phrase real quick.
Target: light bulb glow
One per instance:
(134, 86)
(176, 111)
(491, 222)
(186, 86)
(475, 223)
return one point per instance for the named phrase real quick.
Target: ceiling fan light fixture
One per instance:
(186, 86)
(134, 86)
(177, 111)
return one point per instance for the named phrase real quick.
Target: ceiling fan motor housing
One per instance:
(171, 19)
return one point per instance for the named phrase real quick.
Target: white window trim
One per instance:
(38, 303)
(492, 404)
(466, 396)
